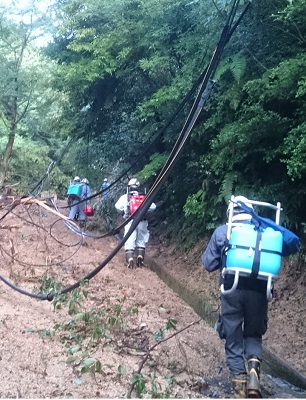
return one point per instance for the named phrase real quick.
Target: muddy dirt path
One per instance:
(125, 326)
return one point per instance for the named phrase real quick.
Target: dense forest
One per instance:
(111, 88)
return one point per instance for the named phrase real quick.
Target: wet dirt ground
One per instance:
(125, 333)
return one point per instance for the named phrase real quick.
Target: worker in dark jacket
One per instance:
(243, 317)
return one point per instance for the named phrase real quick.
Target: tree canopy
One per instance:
(123, 68)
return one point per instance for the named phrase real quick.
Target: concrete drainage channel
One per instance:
(278, 374)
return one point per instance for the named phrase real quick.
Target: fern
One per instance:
(236, 65)
(227, 186)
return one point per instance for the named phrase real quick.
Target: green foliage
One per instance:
(159, 335)
(162, 98)
(282, 83)
(29, 107)
(106, 211)
(295, 149)
(28, 163)
(122, 69)
(154, 388)
(229, 183)
(48, 285)
(234, 147)
(293, 16)
(87, 329)
(121, 370)
(171, 324)
(127, 60)
(152, 168)
(195, 204)
(138, 381)
(236, 65)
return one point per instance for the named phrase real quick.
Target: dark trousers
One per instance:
(242, 322)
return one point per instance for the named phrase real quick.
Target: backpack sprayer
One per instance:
(253, 251)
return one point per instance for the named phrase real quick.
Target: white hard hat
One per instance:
(77, 179)
(85, 181)
(243, 200)
(105, 179)
(133, 183)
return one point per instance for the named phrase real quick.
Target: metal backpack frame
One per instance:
(239, 271)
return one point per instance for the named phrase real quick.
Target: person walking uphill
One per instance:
(136, 243)
(74, 193)
(86, 190)
(106, 192)
(243, 316)
(77, 202)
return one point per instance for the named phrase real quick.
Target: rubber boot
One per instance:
(239, 385)
(129, 254)
(140, 256)
(254, 390)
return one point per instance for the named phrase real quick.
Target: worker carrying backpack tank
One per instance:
(74, 191)
(255, 247)
(135, 201)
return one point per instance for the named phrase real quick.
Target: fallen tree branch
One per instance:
(10, 226)
(10, 202)
(162, 341)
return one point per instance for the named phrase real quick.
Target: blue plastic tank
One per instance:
(75, 189)
(242, 250)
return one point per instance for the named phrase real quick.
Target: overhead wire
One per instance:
(203, 93)
(203, 79)
(181, 142)
(202, 96)
(158, 135)
(163, 129)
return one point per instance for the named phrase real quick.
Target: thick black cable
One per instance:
(199, 102)
(207, 75)
(157, 136)
(225, 36)
(23, 291)
(196, 109)
(227, 32)
(193, 115)
(142, 210)
(180, 144)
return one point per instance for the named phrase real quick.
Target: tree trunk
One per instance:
(4, 160)
(11, 111)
